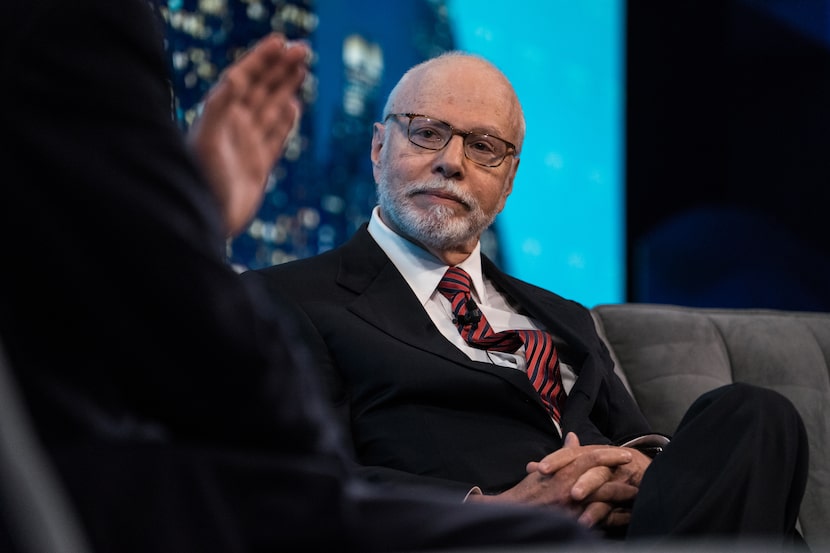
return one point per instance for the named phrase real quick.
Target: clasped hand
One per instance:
(596, 483)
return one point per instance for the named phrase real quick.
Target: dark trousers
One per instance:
(736, 469)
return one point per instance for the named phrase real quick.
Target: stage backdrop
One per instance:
(563, 227)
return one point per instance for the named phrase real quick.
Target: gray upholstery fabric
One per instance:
(34, 508)
(669, 355)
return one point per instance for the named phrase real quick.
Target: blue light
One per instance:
(563, 227)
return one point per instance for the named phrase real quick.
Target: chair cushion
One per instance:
(670, 355)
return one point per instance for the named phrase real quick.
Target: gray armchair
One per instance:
(669, 355)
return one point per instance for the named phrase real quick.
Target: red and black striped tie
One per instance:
(541, 357)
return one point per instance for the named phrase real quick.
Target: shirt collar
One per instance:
(422, 270)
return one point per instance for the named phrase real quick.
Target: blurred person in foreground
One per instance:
(177, 409)
(448, 372)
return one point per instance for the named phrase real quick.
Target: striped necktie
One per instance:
(541, 357)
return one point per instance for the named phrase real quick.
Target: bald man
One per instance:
(448, 372)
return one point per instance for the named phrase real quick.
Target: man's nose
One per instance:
(450, 159)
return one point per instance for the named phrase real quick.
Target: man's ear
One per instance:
(508, 183)
(378, 136)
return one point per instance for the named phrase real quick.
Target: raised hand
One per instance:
(246, 120)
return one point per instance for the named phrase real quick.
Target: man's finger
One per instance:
(589, 482)
(618, 493)
(617, 517)
(586, 457)
(594, 514)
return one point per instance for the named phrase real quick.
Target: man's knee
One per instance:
(746, 404)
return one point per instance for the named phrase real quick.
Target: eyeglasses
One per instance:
(433, 134)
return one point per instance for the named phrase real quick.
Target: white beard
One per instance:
(438, 227)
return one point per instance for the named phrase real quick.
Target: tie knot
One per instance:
(455, 281)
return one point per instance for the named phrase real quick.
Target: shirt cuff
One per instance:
(649, 444)
(474, 491)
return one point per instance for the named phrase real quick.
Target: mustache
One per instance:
(443, 187)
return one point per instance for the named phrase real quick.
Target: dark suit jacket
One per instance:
(170, 403)
(418, 408)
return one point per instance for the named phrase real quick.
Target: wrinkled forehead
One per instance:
(466, 92)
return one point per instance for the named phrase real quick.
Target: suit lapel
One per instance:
(556, 314)
(562, 318)
(384, 300)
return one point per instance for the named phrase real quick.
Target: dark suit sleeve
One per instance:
(337, 390)
(599, 409)
(138, 294)
(169, 398)
(313, 347)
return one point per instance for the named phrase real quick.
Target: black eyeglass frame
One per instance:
(511, 148)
